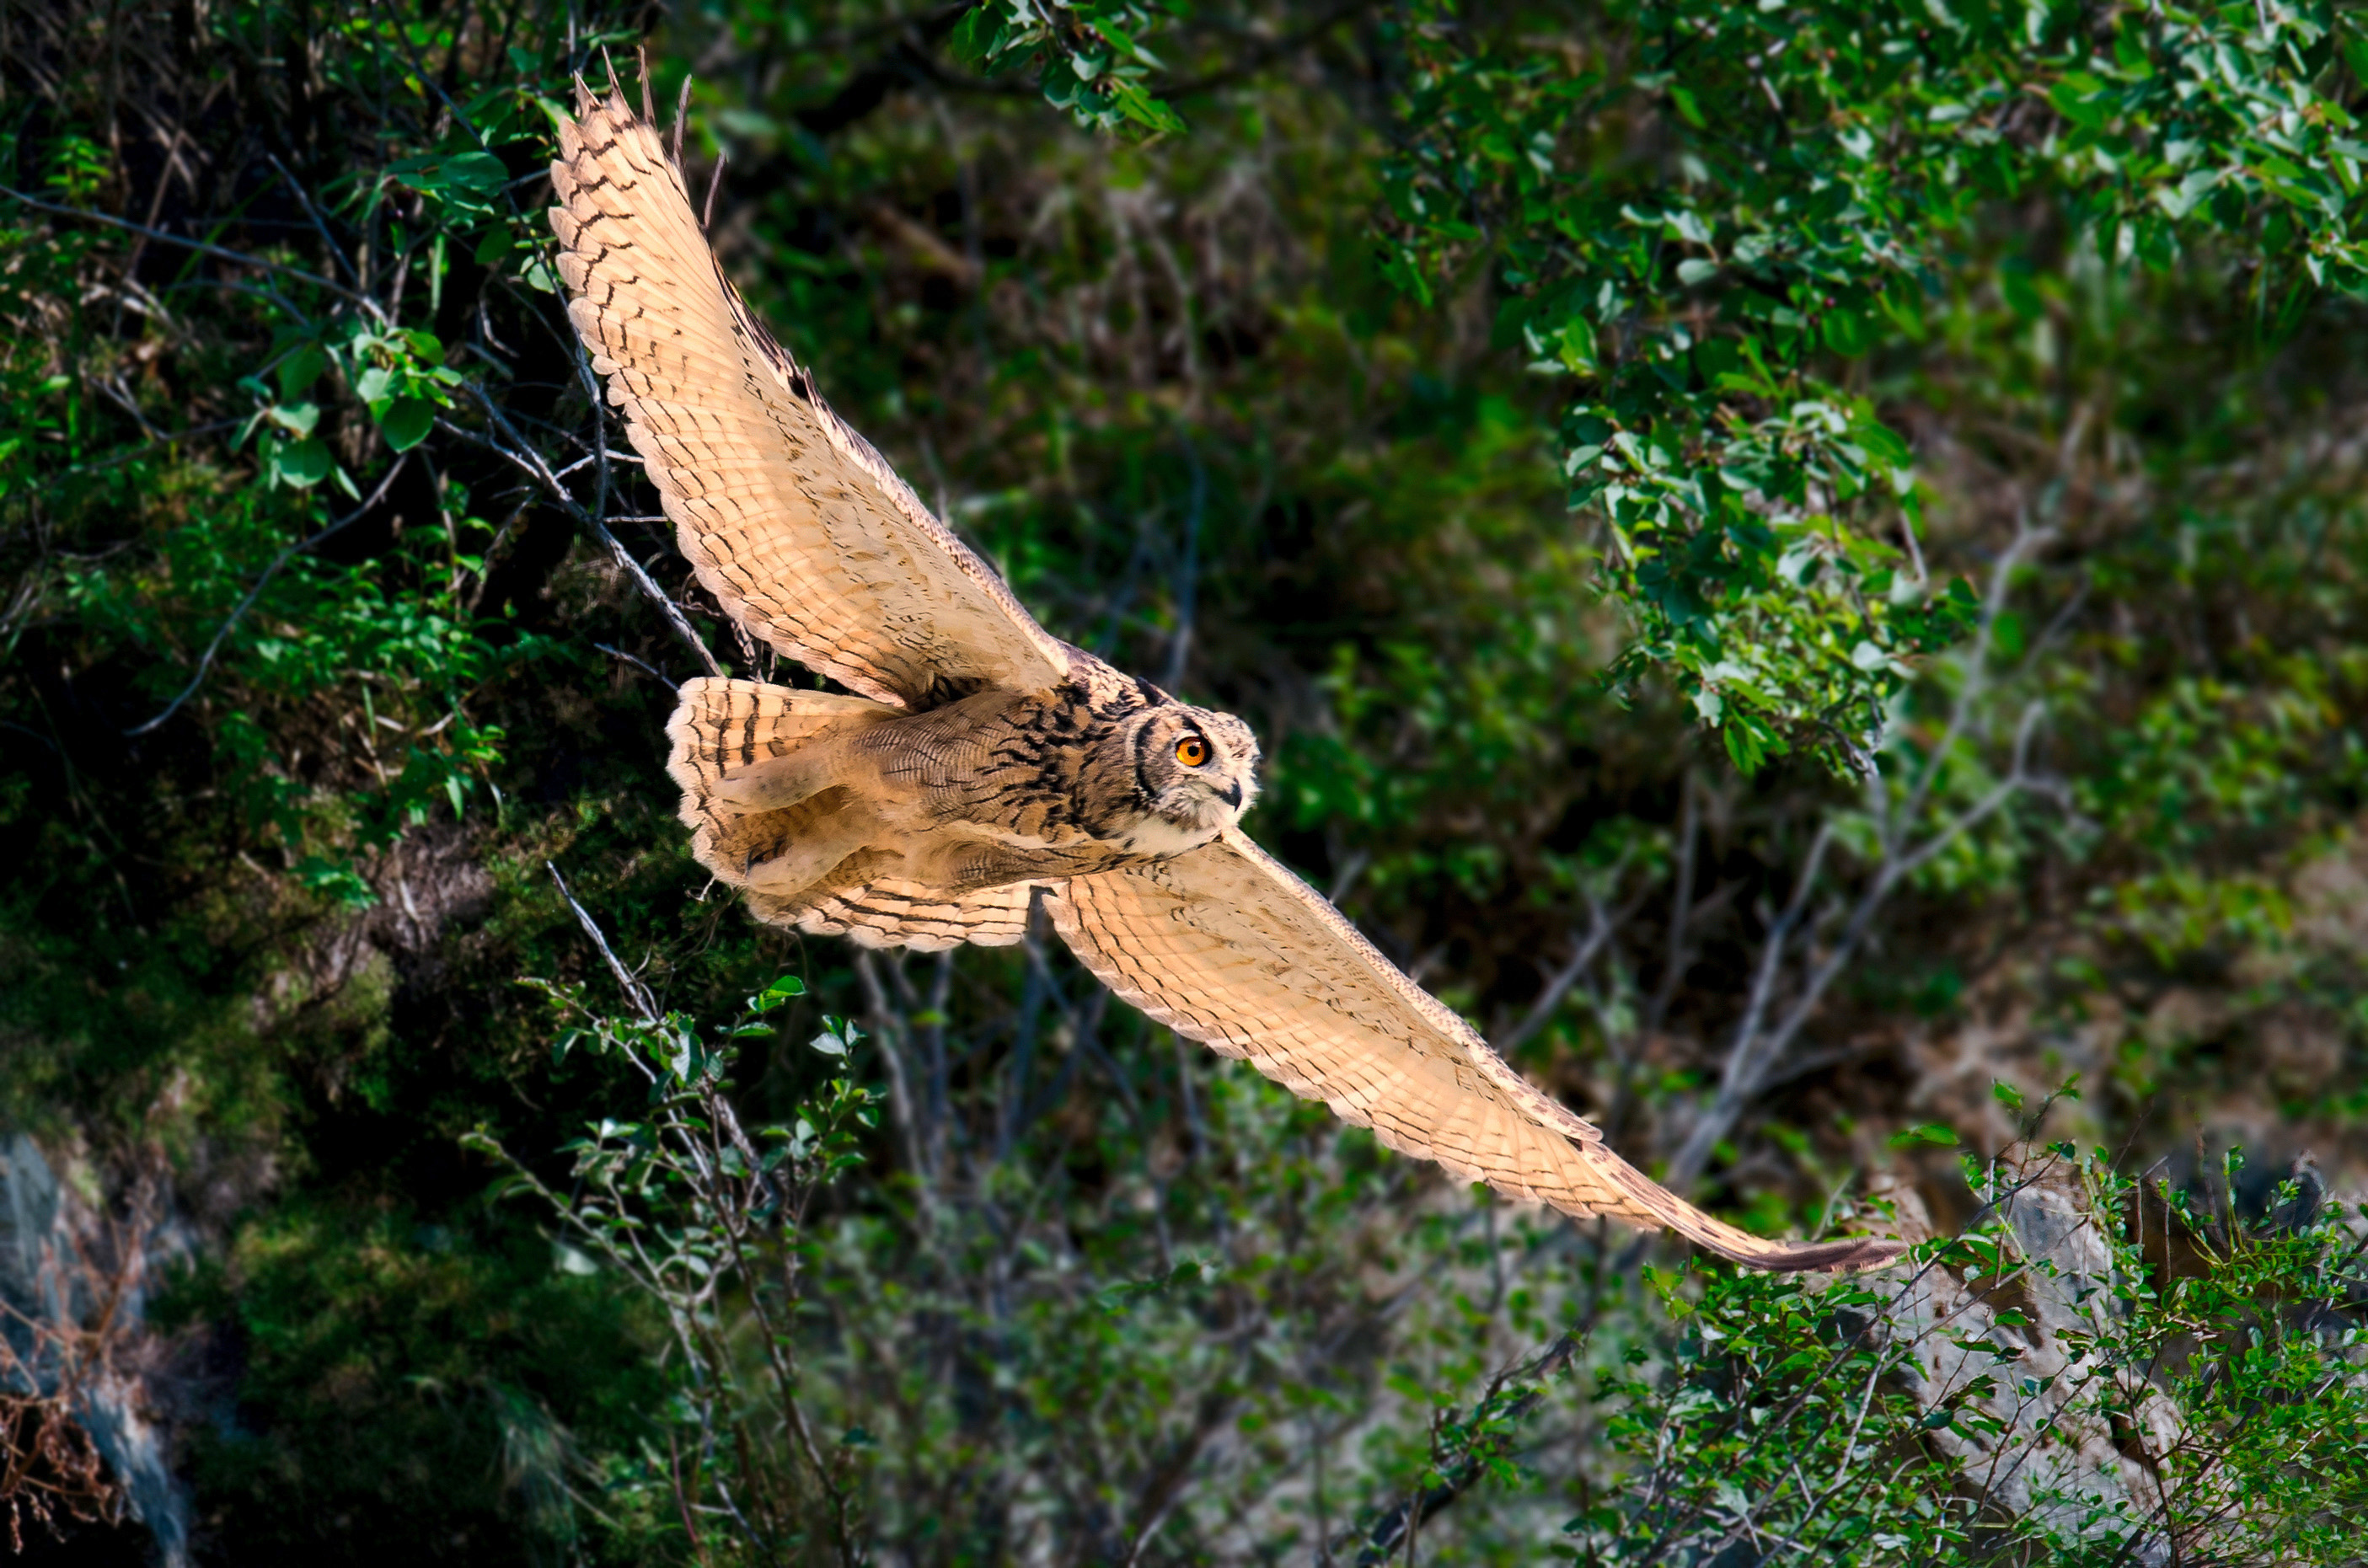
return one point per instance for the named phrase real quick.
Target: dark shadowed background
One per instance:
(1801, 565)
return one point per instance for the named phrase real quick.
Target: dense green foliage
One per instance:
(1791, 561)
(1957, 1435)
(1738, 304)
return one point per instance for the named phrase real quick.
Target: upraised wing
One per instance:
(1225, 945)
(789, 517)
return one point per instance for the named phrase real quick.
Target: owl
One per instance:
(973, 763)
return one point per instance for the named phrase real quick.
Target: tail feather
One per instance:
(728, 730)
(724, 726)
(722, 729)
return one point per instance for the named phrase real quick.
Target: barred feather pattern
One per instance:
(789, 519)
(723, 727)
(892, 913)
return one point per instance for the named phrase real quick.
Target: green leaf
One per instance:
(407, 422)
(301, 464)
(1743, 748)
(1848, 333)
(296, 418)
(2020, 291)
(337, 879)
(470, 173)
(1931, 1133)
(301, 370)
(1870, 658)
(2082, 100)
(1574, 346)
(777, 994)
(1152, 114)
(973, 38)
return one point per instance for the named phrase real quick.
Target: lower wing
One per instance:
(1225, 945)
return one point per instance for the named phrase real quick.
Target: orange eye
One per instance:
(1192, 751)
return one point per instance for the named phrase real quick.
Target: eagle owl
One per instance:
(981, 763)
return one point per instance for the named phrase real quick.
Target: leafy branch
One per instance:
(705, 1220)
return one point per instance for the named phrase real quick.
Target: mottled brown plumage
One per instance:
(985, 764)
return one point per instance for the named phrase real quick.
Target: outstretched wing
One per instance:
(789, 517)
(1225, 945)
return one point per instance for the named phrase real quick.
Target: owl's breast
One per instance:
(1046, 778)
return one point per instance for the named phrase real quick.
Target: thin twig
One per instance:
(1681, 902)
(1549, 1000)
(635, 992)
(1742, 1058)
(320, 224)
(207, 661)
(714, 184)
(203, 247)
(652, 672)
(525, 456)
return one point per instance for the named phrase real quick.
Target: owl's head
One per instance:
(1195, 772)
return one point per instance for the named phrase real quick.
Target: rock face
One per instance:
(2056, 1462)
(74, 1296)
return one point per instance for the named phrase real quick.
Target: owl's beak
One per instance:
(1233, 795)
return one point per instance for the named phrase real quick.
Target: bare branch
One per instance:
(1751, 1064)
(207, 661)
(526, 458)
(1583, 951)
(1739, 1076)
(1681, 899)
(642, 665)
(635, 992)
(220, 253)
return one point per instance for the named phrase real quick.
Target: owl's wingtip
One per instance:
(1844, 1254)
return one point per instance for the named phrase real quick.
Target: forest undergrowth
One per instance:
(1798, 565)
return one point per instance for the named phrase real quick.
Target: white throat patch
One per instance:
(1158, 836)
